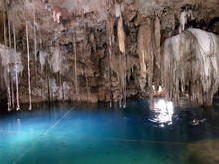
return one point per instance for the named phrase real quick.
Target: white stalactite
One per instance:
(191, 59)
(11, 84)
(121, 35)
(56, 59)
(28, 62)
(118, 10)
(121, 40)
(11, 63)
(8, 88)
(42, 59)
(6, 62)
(184, 16)
(16, 72)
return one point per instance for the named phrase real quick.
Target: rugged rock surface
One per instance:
(191, 62)
(98, 50)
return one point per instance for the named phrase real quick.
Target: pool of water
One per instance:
(141, 133)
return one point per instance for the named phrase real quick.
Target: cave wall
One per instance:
(98, 50)
(191, 63)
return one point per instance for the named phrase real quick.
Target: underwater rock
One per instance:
(203, 152)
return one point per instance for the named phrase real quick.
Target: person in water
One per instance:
(196, 122)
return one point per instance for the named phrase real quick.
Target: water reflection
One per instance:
(161, 112)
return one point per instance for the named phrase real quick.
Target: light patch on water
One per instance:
(164, 111)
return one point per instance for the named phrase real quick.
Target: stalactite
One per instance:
(121, 35)
(124, 81)
(42, 59)
(63, 91)
(59, 74)
(35, 42)
(48, 85)
(184, 16)
(12, 94)
(16, 72)
(75, 65)
(107, 73)
(157, 52)
(121, 40)
(9, 33)
(152, 50)
(7, 79)
(55, 61)
(9, 90)
(157, 40)
(147, 51)
(5, 31)
(10, 77)
(144, 30)
(190, 59)
(109, 68)
(110, 33)
(120, 29)
(83, 51)
(10, 59)
(28, 60)
(87, 85)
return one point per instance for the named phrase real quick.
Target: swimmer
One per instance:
(195, 122)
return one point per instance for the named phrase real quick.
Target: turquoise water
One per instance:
(77, 134)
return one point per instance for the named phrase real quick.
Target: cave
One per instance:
(109, 81)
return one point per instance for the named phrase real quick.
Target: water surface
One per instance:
(70, 133)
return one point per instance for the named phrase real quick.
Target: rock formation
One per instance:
(107, 50)
(190, 64)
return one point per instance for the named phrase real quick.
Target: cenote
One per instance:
(109, 82)
(83, 133)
